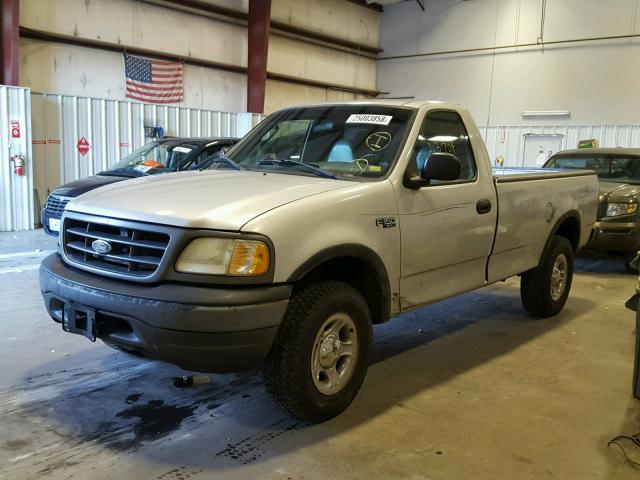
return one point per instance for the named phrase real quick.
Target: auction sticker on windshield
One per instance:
(369, 118)
(182, 149)
(142, 168)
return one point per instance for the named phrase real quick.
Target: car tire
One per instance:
(544, 290)
(319, 357)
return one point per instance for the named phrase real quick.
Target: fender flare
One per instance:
(360, 252)
(570, 214)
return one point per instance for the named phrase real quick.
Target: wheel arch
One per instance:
(567, 226)
(355, 264)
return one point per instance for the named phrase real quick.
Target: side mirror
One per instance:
(441, 166)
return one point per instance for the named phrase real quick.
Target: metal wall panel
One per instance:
(16, 197)
(112, 129)
(508, 141)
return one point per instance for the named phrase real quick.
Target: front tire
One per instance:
(544, 290)
(319, 358)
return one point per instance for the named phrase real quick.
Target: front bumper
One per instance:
(620, 237)
(198, 328)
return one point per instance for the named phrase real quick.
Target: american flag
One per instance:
(153, 80)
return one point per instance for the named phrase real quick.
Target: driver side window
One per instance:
(444, 131)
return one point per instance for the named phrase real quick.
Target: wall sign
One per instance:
(15, 128)
(83, 146)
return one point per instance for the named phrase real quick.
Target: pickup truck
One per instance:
(617, 229)
(322, 222)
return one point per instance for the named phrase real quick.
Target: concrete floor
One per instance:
(471, 387)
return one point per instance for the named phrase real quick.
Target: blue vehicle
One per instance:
(160, 156)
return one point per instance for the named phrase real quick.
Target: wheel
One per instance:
(319, 358)
(630, 267)
(544, 290)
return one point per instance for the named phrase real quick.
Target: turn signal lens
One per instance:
(249, 257)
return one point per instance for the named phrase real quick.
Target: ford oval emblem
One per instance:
(101, 246)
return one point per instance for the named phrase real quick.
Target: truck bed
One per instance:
(528, 213)
(511, 174)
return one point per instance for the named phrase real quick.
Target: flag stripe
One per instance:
(160, 75)
(155, 94)
(155, 100)
(148, 86)
(167, 69)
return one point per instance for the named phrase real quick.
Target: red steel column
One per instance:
(259, 21)
(10, 35)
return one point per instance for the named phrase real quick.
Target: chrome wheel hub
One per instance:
(559, 277)
(335, 353)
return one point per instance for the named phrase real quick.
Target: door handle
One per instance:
(483, 206)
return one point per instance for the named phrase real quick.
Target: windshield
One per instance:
(350, 141)
(158, 157)
(608, 168)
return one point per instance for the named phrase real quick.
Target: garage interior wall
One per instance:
(597, 80)
(47, 66)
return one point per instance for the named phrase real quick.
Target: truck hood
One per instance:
(213, 199)
(78, 187)
(610, 191)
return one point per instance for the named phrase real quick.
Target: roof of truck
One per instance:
(411, 103)
(590, 152)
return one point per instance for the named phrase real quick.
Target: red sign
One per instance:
(53, 141)
(15, 129)
(83, 146)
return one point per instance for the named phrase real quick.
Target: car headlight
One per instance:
(224, 256)
(617, 209)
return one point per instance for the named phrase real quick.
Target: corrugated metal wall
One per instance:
(112, 129)
(16, 197)
(509, 141)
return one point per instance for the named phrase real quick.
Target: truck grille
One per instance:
(55, 205)
(130, 251)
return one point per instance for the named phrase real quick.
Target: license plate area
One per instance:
(80, 320)
(54, 224)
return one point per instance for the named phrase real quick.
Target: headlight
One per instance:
(224, 256)
(617, 209)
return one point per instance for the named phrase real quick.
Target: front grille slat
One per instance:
(135, 252)
(122, 258)
(118, 238)
(55, 205)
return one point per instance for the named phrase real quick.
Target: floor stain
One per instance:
(181, 473)
(253, 447)
(133, 398)
(155, 419)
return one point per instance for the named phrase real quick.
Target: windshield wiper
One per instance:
(304, 166)
(226, 160)
(121, 172)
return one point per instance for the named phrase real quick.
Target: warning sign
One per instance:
(83, 146)
(15, 129)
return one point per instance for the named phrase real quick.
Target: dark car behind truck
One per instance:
(617, 229)
(160, 156)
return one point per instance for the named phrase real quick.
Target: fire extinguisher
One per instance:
(18, 165)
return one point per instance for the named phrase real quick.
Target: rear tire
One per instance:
(319, 358)
(544, 290)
